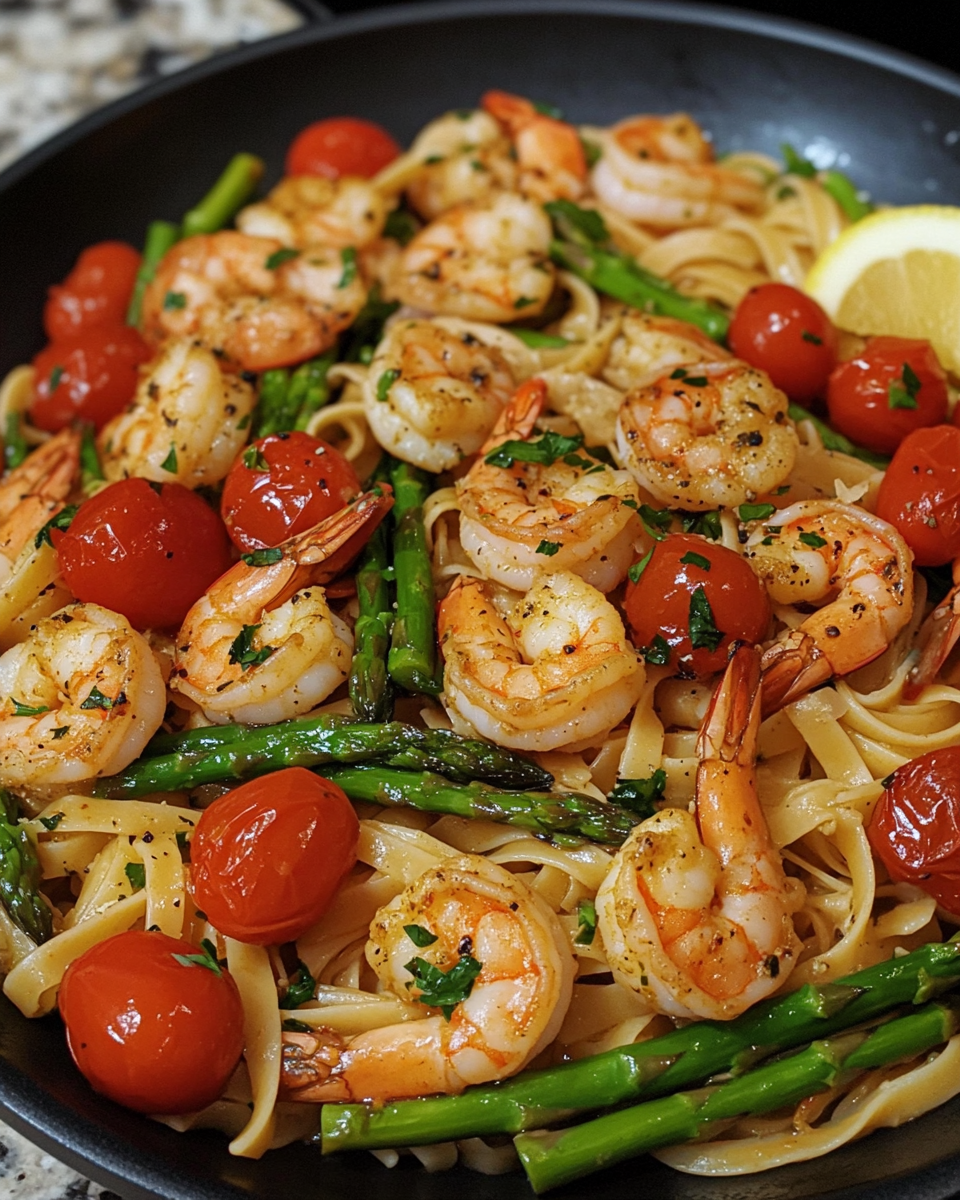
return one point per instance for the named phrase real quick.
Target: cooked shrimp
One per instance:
(35, 491)
(485, 921)
(82, 696)
(647, 348)
(305, 211)
(850, 562)
(465, 158)
(937, 636)
(555, 669)
(695, 913)
(219, 290)
(485, 262)
(434, 392)
(549, 152)
(186, 424)
(262, 644)
(660, 171)
(708, 437)
(575, 511)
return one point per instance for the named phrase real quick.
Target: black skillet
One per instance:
(754, 82)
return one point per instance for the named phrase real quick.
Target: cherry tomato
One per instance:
(787, 334)
(269, 856)
(341, 146)
(147, 1030)
(920, 494)
(283, 485)
(694, 598)
(96, 292)
(145, 550)
(915, 828)
(90, 377)
(893, 386)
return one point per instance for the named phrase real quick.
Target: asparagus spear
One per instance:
(270, 401)
(231, 191)
(547, 813)
(161, 235)
(15, 447)
(681, 1059)
(583, 247)
(91, 472)
(309, 390)
(241, 752)
(370, 686)
(554, 1158)
(20, 874)
(836, 441)
(412, 661)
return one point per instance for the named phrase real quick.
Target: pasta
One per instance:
(568, 436)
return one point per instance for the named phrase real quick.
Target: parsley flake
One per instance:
(55, 376)
(587, 918)
(254, 460)
(401, 225)
(443, 989)
(279, 257)
(638, 568)
(756, 512)
(170, 462)
(52, 822)
(812, 338)
(591, 152)
(902, 392)
(523, 302)
(656, 521)
(544, 450)
(59, 732)
(549, 548)
(290, 1025)
(242, 653)
(26, 710)
(657, 654)
(97, 699)
(795, 164)
(704, 634)
(61, 521)
(208, 958)
(136, 873)
(814, 540)
(692, 559)
(386, 382)
(640, 795)
(707, 524)
(263, 558)
(301, 988)
(419, 936)
(174, 300)
(348, 257)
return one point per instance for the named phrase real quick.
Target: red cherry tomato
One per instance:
(893, 386)
(145, 550)
(341, 146)
(676, 588)
(269, 856)
(920, 494)
(96, 292)
(283, 485)
(915, 828)
(787, 334)
(147, 1030)
(90, 377)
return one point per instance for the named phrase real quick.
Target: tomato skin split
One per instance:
(269, 856)
(148, 1031)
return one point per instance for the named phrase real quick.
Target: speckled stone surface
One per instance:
(58, 60)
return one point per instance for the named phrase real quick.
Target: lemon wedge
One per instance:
(896, 272)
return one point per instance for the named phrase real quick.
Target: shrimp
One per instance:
(852, 563)
(218, 289)
(555, 669)
(937, 636)
(464, 158)
(35, 491)
(549, 152)
(82, 696)
(434, 392)
(647, 348)
(262, 645)
(695, 913)
(186, 424)
(518, 970)
(711, 436)
(484, 262)
(572, 506)
(307, 211)
(660, 171)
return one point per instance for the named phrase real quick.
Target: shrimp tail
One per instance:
(520, 415)
(309, 1065)
(335, 542)
(729, 730)
(790, 668)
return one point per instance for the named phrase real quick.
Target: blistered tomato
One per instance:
(915, 827)
(892, 387)
(149, 1027)
(920, 494)
(89, 377)
(787, 334)
(96, 292)
(145, 550)
(341, 146)
(269, 856)
(282, 485)
(692, 600)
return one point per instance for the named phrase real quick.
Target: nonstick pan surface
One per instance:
(891, 122)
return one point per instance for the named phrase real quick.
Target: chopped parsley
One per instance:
(693, 380)
(207, 959)
(348, 257)
(523, 302)
(756, 512)
(59, 732)
(443, 989)
(253, 459)
(173, 300)
(136, 873)
(902, 392)
(549, 548)
(419, 936)
(814, 540)
(591, 152)
(55, 376)
(52, 822)
(26, 710)
(587, 918)
(301, 988)
(401, 225)
(242, 653)
(97, 699)
(386, 382)
(263, 558)
(657, 654)
(290, 1025)
(279, 257)
(707, 524)
(170, 462)
(544, 450)
(656, 521)
(795, 164)
(704, 634)
(640, 795)
(61, 521)
(638, 568)
(692, 559)
(811, 338)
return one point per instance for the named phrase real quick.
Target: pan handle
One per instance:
(312, 11)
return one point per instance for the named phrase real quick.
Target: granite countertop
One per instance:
(58, 60)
